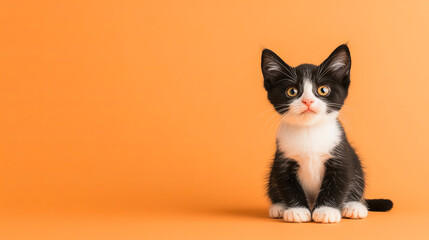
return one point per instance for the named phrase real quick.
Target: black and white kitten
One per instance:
(316, 174)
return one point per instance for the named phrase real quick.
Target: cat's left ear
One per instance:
(338, 64)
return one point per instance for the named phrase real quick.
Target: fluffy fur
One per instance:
(316, 174)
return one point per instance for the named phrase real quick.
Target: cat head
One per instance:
(307, 94)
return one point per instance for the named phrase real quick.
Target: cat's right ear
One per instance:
(273, 68)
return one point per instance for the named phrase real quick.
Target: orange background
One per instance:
(148, 119)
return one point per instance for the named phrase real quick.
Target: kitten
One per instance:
(316, 174)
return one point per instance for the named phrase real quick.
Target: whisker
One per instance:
(280, 120)
(345, 121)
(271, 108)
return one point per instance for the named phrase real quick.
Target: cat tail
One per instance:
(379, 205)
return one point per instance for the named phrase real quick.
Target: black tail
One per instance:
(379, 205)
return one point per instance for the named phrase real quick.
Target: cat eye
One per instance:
(323, 90)
(292, 92)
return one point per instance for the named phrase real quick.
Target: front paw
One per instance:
(326, 214)
(297, 214)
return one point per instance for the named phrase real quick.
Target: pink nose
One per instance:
(307, 102)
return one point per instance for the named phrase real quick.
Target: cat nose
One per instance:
(307, 102)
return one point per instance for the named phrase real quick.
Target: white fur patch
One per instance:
(297, 214)
(354, 210)
(276, 210)
(326, 215)
(310, 144)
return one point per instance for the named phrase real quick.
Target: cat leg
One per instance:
(354, 207)
(277, 207)
(327, 208)
(284, 173)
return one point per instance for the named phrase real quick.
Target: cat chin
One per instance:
(310, 119)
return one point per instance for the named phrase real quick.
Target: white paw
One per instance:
(354, 210)
(326, 215)
(297, 214)
(277, 209)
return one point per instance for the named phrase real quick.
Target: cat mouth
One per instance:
(308, 111)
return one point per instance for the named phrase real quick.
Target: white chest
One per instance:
(310, 147)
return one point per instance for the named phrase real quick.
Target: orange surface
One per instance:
(148, 119)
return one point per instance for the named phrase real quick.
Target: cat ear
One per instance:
(338, 64)
(273, 68)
